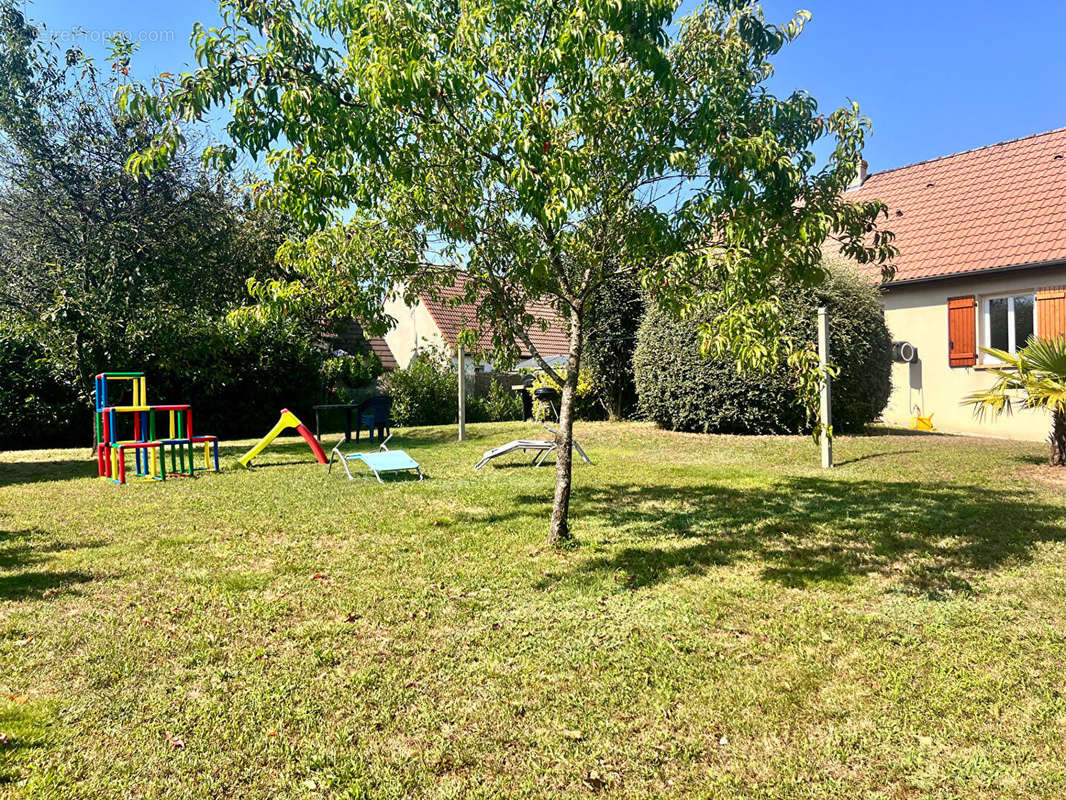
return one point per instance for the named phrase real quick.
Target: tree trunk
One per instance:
(559, 532)
(1058, 438)
(614, 407)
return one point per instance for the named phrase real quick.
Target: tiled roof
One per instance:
(998, 206)
(379, 346)
(351, 339)
(453, 318)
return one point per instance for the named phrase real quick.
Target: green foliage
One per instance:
(511, 141)
(499, 404)
(35, 408)
(539, 152)
(101, 270)
(1035, 377)
(614, 320)
(586, 396)
(682, 389)
(238, 374)
(347, 378)
(426, 392)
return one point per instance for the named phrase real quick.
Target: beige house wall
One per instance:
(414, 330)
(918, 314)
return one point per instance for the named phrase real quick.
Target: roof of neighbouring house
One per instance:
(453, 315)
(998, 206)
(352, 339)
(379, 346)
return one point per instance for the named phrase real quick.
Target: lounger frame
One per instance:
(542, 447)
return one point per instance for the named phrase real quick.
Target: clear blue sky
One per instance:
(935, 76)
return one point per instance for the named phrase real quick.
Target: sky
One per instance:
(934, 76)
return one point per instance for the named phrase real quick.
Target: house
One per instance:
(351, 339)
(982, 263)
(435, 323)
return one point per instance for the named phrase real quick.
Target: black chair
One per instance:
(374, 414)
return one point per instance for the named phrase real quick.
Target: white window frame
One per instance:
(986, 322)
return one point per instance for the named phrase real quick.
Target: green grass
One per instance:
(735, 622)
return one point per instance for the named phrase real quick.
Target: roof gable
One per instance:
(452, 315)
(998, 206)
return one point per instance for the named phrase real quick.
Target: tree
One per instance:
(538, 149)
(1033, 378)
(99, 267)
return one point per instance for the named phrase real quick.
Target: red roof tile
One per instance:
(453, 315)
(379, 346)
(1003, 205)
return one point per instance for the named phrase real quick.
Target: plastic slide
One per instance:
(287, 420)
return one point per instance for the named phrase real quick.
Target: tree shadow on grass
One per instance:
(19, 554)
(929, 539)
(888, 430)
(16, 472)
(871, 456)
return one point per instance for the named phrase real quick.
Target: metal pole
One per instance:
(826, 404)
(462, 395)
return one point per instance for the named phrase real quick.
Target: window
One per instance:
(1009, 322)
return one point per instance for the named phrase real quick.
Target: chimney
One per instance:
(860, 178)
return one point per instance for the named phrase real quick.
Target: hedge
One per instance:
(682, 390)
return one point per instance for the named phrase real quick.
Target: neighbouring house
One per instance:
(353, 340)
(982, 263)
(435, 323)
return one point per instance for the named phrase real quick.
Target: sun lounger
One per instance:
(379, 461)
(541, 447)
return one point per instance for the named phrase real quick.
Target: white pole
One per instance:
(462, 395)
(826, 404)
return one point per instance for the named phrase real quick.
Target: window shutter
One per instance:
(1051, 312)
(962, 331)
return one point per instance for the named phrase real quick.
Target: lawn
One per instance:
(734, 622)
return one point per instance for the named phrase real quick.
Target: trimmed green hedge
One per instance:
(682, 390)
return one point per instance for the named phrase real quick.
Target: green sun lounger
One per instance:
(379, 461)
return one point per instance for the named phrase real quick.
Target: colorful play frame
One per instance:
(150, 450)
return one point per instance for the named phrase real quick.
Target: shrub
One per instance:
(681, 389)
(611, 338)
(425, 392)
(586, 403)
(500, 404)
(36, 409)
(238, 373)
(237, 376)
(350, 378)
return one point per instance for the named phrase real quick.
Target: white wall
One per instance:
(918, 314)
(414, 330)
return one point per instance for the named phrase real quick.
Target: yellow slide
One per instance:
(287, 420)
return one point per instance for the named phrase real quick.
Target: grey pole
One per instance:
(826, 400)
(462, 395)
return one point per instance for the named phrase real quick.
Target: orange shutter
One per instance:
(962, 331)
(1051, 312)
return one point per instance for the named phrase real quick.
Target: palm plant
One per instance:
(1034, 378)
